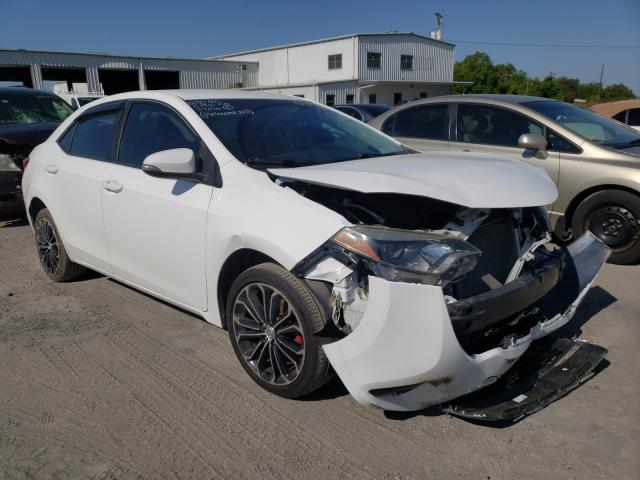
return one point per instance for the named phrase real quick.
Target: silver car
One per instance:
(595, 161)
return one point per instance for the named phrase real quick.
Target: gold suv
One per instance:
(594, 160)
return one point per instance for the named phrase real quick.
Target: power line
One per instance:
(544, 45)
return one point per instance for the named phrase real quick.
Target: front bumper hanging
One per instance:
(405, 354)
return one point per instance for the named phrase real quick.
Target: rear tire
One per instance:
(53, 257)
(612, 216)
(272, 317)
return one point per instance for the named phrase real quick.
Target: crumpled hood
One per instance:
(474, 180)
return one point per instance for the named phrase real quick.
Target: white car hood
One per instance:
(473, 180)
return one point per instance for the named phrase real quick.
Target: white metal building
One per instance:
(385, 68)
(116, 73)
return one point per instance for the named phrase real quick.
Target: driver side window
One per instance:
(151, 128)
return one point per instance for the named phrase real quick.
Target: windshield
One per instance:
(265, 133)
(593, 127)
(32, 108)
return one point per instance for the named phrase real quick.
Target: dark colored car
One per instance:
(364, 112)
(27, 118)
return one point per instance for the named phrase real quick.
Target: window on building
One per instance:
(373, 98)
(374, 60)
(152, 128)
(489, 125)
(428, 121)
(397, 98)
(93, 137)
(406, 62)
(349, 98)
(335, 61)
(330, 100)
(424, 94)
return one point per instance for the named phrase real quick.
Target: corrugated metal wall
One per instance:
(432, 61)
(193, 73)
(340, 90)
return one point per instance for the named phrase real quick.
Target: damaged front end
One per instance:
(432, 301)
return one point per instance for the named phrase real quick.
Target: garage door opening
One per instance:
(161, 79)
(118, 81)
(66, 75)
(15, 76)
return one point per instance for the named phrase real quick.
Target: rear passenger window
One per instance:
(634, 117)
(65, 140)
(152, 128)
(428, 121)
(93, 136)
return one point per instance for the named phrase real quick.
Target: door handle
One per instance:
(51, 168)
(113, 186)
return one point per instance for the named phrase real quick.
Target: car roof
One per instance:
(613, 108)
(201, 95)
(488, 97)
(24, 90)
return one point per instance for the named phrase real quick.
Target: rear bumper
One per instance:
(405, 354)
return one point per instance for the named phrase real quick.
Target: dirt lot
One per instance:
(99, 381)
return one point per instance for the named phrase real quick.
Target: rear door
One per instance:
(423, 127)
(73, 183)
(492, 129)
(156, 226)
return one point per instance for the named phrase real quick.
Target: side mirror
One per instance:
(535, 142)
(174, 163)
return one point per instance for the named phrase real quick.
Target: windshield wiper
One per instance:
(256, 162)
(375, 155)
(632, 143)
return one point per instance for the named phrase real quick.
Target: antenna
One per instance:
(437, 33)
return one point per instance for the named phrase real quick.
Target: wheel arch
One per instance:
(579, 198)
(34, 207)
(234, 265)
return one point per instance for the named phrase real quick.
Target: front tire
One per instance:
(612, 216)
(51, 252)
(272, 317)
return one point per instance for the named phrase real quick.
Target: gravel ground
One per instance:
(99, 381)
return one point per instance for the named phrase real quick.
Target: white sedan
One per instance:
(320, 243)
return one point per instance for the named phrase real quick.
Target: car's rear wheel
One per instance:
(53, 256)
(613, 216)
(272, 317)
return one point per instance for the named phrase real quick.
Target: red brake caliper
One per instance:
(298, 339)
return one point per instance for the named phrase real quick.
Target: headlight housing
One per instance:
(410, 256)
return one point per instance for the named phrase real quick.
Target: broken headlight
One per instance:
(410, 256)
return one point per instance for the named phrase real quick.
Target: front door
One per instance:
(156, 226)
(496, 130)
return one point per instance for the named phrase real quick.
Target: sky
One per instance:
(192, 28)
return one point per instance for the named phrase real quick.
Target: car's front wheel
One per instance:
(53, 256)
(272, 317)
(612, 216)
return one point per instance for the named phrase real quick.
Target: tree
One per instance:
(488, 77)
(617, 91)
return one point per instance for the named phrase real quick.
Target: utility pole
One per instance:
(600, 84)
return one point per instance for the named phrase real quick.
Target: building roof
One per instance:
(329, 39)
(104, 54)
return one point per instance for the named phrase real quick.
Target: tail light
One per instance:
(25, 162)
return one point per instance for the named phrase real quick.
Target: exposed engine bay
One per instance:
(512, 243)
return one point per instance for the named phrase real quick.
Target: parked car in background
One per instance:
(625, 111)
(77, 100)
(364, 112)
(27, 118)
(594, 160)
(319, 242)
